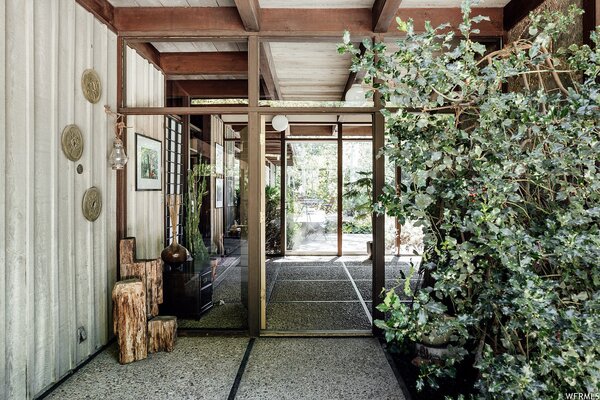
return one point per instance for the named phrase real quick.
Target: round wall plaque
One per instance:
(92, 204)
(72, 142)
(91, 86)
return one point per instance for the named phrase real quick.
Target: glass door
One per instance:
(311, 197)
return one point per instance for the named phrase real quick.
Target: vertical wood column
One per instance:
(340, 189)
(378, 219)
(283, 191)
(121, 219)
(256, 196)
(591, 18)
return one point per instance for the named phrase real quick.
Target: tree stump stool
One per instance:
(129, 315)
(162, 332)
(148, 271)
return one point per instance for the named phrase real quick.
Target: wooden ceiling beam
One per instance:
(225, 22)
(102, 10)
(268, 72)
(213, 63)
(209, 89)
(249, 11)
(516, 10)
(384, 12)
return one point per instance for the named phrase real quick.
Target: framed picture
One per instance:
(148, 163)
(218, 159)
(219, 193)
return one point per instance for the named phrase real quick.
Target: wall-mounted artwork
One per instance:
(219, 193)
(218, 159)
(148, 163)
(230, 192)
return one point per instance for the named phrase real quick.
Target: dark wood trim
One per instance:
(147, 51)
(591, 18)
(378, 250)
(249, 11)
(516, 10)
(102, 10)
(354, 77)
(283, 191)
(268, 72)
(340, 189)
(195, 110)
(256, 249)
(213, 63)
(224, 22)
(384, 12)
(121, 178)
(209, 89)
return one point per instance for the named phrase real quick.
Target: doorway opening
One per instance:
(318, 196)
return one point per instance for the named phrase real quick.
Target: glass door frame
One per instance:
(339, 195)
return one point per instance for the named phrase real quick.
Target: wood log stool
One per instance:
(129, 315)
(148, 271)
(162, 332)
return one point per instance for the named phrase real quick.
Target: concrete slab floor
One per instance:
(198, 368)
(207, 368)
(318, 368)
(317, 316)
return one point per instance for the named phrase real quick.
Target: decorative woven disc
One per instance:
(91, 86)
(72, 142)
(92, 204)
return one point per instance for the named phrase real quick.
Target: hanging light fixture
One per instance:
(280, 123)
(118, 158)
(355, 96)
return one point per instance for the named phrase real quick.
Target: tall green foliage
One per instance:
(507, 188)
(198, 178)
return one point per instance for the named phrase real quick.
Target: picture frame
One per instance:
(218, 159)
(148, 163)
(219, 193)
(230, 192)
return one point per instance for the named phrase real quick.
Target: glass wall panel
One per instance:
(357, 227)
(311, 200)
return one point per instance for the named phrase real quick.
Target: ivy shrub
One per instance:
(507, 188)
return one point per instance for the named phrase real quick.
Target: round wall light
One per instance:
(280, 123)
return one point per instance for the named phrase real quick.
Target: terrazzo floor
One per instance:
(276, 368)
(318, 293)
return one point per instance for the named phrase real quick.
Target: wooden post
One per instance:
(129, 314)
(162, 332)
(127, 251)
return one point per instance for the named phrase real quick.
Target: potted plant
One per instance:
(506, 184)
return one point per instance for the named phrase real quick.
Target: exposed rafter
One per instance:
(516, 10)
(384, 12)
(216, 63)
(354, 77)
(268, 72)
(249, 11)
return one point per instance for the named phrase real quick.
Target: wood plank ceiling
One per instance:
(290, 71)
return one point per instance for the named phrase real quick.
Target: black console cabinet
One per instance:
(187, 290)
